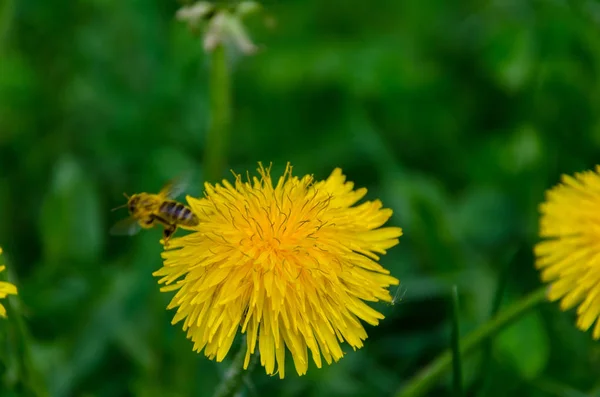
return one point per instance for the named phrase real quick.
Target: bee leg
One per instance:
(167, 233)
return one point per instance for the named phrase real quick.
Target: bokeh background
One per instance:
(458, 115)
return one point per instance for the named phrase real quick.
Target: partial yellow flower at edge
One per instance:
(569, 257)
(289, 264)
(6, 288)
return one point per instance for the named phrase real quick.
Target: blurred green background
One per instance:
(458, 115)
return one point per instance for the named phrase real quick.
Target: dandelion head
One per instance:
(291, 265)
(568, 256)
(6, 288)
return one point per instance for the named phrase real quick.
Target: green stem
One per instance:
(234, 376)
(456, 361)
(220, 116)
(421, 383)
(30, 375)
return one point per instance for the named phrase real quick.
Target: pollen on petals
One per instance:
(568, 256)
(291, 263)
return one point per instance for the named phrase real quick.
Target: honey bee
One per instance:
(147, 209)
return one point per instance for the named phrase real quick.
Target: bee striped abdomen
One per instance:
(178, 213)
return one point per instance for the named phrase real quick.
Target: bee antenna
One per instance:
(126, 195)
(119, 207)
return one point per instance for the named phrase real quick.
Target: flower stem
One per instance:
(20, 338)
(220, 115)
(421, 383)
(234, 376)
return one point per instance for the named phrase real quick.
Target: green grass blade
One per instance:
(486, 359)
(457, 378)
(424, 380)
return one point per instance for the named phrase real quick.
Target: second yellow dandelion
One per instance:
(6, 289)
(569, 256)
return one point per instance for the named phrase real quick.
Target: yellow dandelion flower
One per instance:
(291, 265)
(569, 258)
(5, 289)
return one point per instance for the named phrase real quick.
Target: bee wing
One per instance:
(174, 188)
(125, 227)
